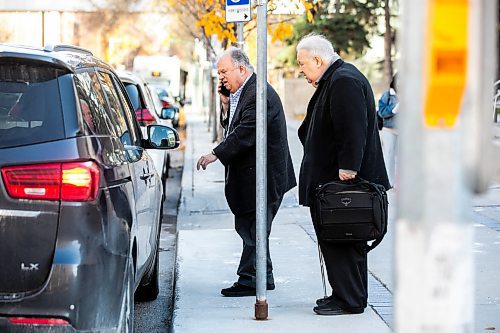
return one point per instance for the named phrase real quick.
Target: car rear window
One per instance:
(30, 104)
(133, 94)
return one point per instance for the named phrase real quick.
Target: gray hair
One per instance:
(318, 45)
(238, 57)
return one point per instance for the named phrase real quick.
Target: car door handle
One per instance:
(147, 176)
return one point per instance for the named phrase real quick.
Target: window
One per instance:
(96, 118)
(115, 108)
(133, 93)
(129, 114)
(30, 104)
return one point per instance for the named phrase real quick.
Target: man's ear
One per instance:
(318, 61)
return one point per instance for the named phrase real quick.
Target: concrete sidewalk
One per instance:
(209, 250)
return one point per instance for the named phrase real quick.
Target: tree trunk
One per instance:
(388, 70)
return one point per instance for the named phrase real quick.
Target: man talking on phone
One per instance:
(237, 153)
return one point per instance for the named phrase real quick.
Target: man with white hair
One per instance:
(341, 141)
(237, 153)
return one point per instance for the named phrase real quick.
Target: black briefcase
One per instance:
(351, 211)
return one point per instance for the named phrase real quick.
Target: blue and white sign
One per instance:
(238, 2)
(238, 11)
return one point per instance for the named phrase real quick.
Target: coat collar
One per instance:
(326, 76)
(329, 71)
(251, 81)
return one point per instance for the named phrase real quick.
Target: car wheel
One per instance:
(127, 308)
(149, 287)
(150, 290)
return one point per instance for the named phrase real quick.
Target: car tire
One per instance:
(127, 308)
(149, 288)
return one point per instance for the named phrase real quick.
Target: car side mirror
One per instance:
(162, 137)
(168, 113)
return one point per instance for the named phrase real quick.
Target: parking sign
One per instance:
(238, 11)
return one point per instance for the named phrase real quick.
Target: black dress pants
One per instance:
(347, 269)
(245, 227)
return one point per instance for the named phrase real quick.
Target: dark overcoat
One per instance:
(340, 132)
(237, 151)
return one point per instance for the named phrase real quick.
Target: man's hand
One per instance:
(206, 160)
(347, 174)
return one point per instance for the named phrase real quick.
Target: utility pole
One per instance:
(239, 32)
(43, 28)
(447, 68)
(261, 306)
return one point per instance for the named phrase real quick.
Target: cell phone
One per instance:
(224, 91)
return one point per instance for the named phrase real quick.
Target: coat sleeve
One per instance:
(242, 138)
(348, 111)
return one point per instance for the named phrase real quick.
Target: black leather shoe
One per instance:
(332, 309)
(324, 300)
(239, 290)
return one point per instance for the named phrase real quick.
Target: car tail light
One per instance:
(79, 181)
(37, 321)
(144, 114)
(73, 181)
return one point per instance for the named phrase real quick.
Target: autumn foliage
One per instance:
(209, 16)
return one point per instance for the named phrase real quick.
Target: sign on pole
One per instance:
(238, 11)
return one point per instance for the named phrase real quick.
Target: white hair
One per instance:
(318, 45)
(238, 57)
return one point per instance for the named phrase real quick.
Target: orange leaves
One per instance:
(308, 7)
(209, 16)
(281, 31)
(214, 23)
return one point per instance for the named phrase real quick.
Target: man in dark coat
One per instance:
(237, 153)
(341, 141)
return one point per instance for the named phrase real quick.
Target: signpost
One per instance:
(261, 306)
(238, 11)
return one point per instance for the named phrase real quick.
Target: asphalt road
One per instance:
(155, 316)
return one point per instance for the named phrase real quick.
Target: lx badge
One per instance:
(32, 267)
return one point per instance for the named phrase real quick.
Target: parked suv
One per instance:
(80, 204)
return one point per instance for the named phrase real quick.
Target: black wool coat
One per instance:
(340, 132)
(238, 150)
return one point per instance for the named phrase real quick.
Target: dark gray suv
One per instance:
(80, 202)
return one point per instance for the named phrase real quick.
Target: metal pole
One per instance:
(61, 27)
(434, 235)
(215, 118)
(239, 32)
(43, 28)
(261, 307)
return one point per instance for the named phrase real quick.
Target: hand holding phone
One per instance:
(223, 90)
